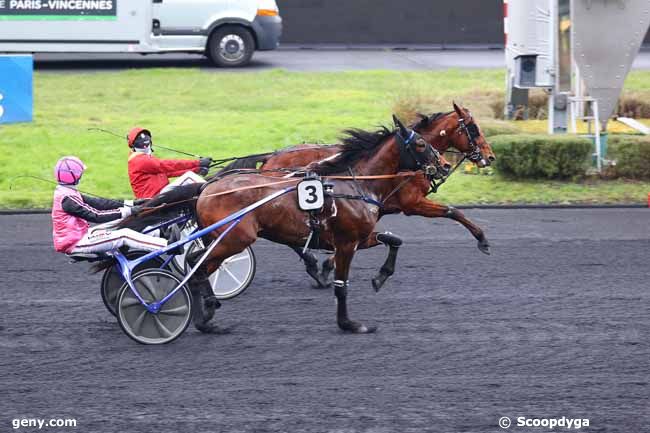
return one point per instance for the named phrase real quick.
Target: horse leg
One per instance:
(430, 209)
(326, 269)
(311, 266)
(204, 303)
(388, 268)
(343, 258)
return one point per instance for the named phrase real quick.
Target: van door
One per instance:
(181, 22)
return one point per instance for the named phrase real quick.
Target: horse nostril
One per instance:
(491, 158)
(447, 166)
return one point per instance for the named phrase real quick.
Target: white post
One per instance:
(599, 157)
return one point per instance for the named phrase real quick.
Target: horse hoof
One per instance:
(356, 328)
(212, 302)
(378, 282)
(207, 328)
(312, 271)
(484, 246)
(322, 285)
(366, 330)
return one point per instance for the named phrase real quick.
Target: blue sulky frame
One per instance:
(126, 266)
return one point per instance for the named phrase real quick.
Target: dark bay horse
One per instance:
(456, 129)
(368, 168)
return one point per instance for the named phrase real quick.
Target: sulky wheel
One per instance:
(234, 275)
(154, 328)
(112, 280)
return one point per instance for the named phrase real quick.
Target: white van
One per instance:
(227, 31)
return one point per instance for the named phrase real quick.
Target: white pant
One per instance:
(187, 178)
(100, 240)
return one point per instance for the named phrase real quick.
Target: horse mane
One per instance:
(356, 145)
(426, 121)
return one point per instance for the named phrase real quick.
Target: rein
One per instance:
(361, 196)
(434, 186)
(216, 163)
(408, 174)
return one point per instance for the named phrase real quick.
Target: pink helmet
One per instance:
(68, 170)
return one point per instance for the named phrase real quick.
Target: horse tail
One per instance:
(163, 207)
(250, 161)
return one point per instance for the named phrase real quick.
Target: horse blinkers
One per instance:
(472, 133)
(415, 153)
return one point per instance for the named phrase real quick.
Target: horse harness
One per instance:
(409, 158)
(471, 131)
(474, 154)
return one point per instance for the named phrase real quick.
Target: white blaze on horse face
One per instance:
(443, 133)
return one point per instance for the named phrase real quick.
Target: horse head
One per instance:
(457, 129)
(416, 153)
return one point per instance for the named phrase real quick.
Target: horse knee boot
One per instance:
(388, 268)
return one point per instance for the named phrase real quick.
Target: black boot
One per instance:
(173, 234)
(204, 303)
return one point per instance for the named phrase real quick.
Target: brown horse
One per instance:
(456, 129)
(372, 165)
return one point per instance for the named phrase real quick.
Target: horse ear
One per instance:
(458, 110)
(402, 129)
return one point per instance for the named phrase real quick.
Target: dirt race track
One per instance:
(556, 322)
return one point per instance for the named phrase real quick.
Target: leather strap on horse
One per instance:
(378, 176)
(244, 188)
(370, 177)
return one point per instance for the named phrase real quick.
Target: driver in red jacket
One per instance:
(148, 174)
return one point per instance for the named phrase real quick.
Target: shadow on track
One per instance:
(117, 63)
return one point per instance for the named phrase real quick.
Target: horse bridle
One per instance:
(473, 154)
(471, 131)
(418, 160)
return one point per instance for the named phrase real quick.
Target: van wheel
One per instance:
(231, 46)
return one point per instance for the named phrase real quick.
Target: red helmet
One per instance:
(136, 133)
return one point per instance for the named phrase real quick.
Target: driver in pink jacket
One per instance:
(72, 212)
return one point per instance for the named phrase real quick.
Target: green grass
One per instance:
(230, 114)
(472, 189)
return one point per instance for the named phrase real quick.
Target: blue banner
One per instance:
(16, 92)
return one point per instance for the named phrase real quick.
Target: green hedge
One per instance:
(541, 156)
(632, 156)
